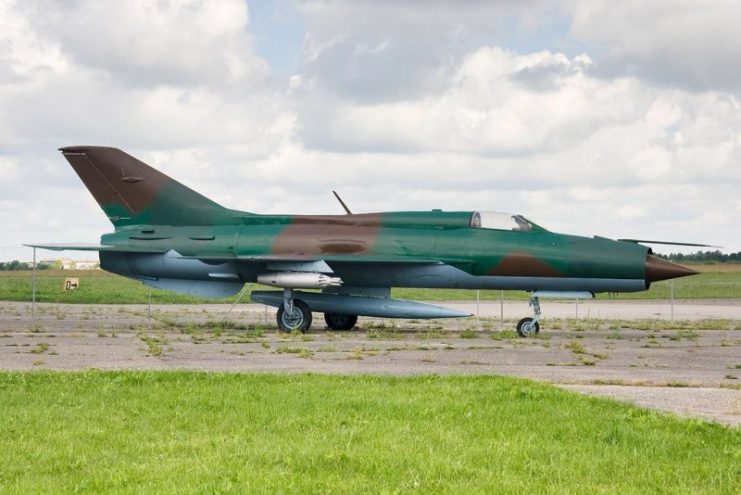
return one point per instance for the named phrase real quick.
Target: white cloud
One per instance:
(176, 77)
(681, 43)
(583, 130)
(487, 108)
(144, 42)
(8, 170)
(388, 50)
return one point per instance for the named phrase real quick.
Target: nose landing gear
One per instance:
(530, 326)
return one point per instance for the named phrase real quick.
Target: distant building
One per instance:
(87, 265)
(68, 264)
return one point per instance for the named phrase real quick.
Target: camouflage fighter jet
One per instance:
(170, 237)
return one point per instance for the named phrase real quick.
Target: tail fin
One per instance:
(130, 192)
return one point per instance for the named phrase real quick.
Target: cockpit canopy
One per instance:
(501, 221)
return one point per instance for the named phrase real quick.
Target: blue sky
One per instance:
(279, 32)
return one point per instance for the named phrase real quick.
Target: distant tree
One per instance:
(14, 266)
(703, 257)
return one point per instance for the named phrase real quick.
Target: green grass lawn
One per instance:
(184, 432)
(96, 287)
(99, 287)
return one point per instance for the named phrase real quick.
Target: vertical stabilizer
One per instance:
(130, 192)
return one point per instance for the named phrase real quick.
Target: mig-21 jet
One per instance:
(168, 236)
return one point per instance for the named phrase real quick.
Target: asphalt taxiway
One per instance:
(691, 366)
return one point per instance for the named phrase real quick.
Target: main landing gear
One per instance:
(340, 322)
(295, 314)
(530, 326)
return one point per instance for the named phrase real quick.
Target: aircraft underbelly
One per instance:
(165, 270)
(448, 277)
(171, 272)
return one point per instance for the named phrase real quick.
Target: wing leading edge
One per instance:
(95, 247)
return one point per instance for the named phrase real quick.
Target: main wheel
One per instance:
(299, 319)
(340, 322)
(527, 327)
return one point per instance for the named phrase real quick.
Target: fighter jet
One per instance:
(171, 237)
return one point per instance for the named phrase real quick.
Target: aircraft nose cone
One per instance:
(658, 269)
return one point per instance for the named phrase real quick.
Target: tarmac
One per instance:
(630, 351)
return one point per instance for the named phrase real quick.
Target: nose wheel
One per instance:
(527, 326)
(530, 326)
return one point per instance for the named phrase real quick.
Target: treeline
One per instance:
(15, 265)
(703, 257)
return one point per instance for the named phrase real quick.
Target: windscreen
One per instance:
(500, 221)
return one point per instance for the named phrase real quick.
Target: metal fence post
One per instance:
(478, 300)
(577, 311)
(33, 290)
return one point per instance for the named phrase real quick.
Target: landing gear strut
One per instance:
(530, 326)
(293, 314)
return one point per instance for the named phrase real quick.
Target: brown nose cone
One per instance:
(658, 269)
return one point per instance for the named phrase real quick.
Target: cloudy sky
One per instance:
(621, 119)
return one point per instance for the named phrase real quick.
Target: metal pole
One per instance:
(149, 304)
(33, 289)
(478, 300)
(577, 311)
(501, 309)
(239, 296)
(672, 301)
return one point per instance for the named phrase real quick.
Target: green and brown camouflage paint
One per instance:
(151, 210)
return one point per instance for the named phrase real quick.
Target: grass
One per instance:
(584, 356)
(374, 333)
(154, 344)
(97, 286)
(40, 348)
(299, 351)
(504, 335)
(181, 432)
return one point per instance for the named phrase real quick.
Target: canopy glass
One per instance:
(500, 221)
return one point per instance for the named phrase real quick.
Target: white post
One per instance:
(501, 309)
(33, 289)
(577, 311)
(478, 300)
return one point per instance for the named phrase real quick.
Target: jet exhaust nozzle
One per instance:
(299, 280)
